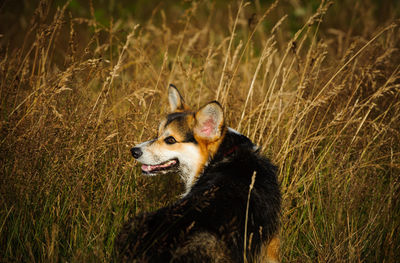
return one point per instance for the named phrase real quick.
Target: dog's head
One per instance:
(185, 142)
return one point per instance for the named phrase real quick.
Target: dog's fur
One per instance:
(208, 223)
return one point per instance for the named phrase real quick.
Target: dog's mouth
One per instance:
(160, 168)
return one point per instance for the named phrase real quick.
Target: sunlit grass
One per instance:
(322, 102)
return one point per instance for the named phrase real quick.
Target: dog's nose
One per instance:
(136, 152)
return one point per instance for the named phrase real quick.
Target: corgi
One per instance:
(230, 209)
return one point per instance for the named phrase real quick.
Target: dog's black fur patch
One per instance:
(207, 225)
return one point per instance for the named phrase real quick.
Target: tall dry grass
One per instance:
(322, 100)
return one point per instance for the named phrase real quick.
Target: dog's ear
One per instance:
(176, 102)
(209, 122)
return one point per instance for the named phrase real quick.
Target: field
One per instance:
(316, 84)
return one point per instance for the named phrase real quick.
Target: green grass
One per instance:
(318, 89)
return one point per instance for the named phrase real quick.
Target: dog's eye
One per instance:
(170, 140)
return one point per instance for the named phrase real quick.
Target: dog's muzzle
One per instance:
(136, 152)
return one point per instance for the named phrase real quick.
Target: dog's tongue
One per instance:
(146, 168)
(149, 168)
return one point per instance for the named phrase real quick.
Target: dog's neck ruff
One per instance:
(230, 147)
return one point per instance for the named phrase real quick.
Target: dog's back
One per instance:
(208, 223)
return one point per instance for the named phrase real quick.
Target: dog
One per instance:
(230, 209)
